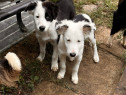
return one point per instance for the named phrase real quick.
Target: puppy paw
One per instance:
(109, 45)
(75, 80)
(54, 67)
(39, 58)
(109, 42)
(60, 76)
(96, 59)
(123, 44)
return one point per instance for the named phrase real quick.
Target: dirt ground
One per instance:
(94, 79)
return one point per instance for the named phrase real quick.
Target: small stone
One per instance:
(90, 8)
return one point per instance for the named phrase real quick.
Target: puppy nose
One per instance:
(72, 54)
(42, 28)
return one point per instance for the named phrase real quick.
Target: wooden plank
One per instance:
(10, 21)
(8, 5)
(10, 11)
(9, 30)
(13, 28)
(16, 37)
(121, 88)
(5, 3)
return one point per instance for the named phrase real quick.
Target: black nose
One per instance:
(72, 54)
(42, 28)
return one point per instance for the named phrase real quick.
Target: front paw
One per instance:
(123, 44)
(109, 42)
(40, 58)
(96, 59)
(75, 79)
(54, 67)
(60, 75)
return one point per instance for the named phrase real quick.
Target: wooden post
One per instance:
(20, 22)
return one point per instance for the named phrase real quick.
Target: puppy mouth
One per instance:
(70, 59)
(41, 31)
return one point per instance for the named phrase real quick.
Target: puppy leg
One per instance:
(120, 1)
(54, 65)
(124, 39)
(110, 41)
(42, 45)
(93, 40)
(62, 66)
(75, 70)
(115, 28)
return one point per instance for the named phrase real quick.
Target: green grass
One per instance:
(103, 15)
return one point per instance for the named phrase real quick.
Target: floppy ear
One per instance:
(52, 8)
(61, 30)
(86, 29)
(42, 0)
(31, 6)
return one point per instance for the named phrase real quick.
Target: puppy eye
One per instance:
(47, 17)
(37, 16)
(78, 41)
(68, 40)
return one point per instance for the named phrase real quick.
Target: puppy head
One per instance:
(73, 36)
(44, 13)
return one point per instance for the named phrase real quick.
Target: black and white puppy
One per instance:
(71, 43)
(119, 22)
(46, 14)
(10, 68)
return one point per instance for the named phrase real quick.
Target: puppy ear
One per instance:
(86, 29)
(42, 0)
(52, 8)
(31, 6)
(61, 30)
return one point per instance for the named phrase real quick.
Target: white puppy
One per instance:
(71, 44)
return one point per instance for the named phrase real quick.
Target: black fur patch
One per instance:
(78, 18)
(42, 0)
(119, 18)
(31, 6)
(51, 10)
(66, 10)
(124, 33)
(5, 64)
(58, 39)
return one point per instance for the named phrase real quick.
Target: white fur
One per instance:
(48, 35)
(74, 33)
(41, 21)
(14, 61)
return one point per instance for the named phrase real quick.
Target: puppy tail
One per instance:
(13, 61)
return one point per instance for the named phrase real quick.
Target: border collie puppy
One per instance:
(10, 68)
(119, 22)
(71, 42)
(45, 15)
